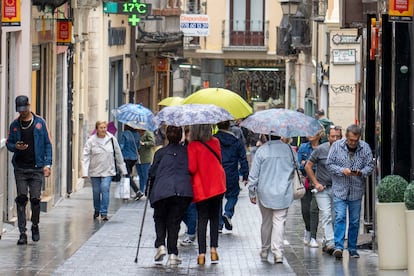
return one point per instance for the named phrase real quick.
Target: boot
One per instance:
(35, 233)
(23, 239)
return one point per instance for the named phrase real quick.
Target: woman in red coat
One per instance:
(209, 185)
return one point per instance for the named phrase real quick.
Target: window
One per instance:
(247, 22)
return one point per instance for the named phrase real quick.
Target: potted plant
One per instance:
(391, 226)
(409, 220)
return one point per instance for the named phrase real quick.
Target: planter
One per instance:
(391, 235)
(409, 220)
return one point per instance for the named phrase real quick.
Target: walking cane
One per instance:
(143, 219)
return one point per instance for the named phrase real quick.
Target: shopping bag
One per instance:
(123, 189)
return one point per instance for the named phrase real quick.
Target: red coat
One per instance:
(207, 173)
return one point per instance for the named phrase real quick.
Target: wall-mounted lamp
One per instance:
(289, 7)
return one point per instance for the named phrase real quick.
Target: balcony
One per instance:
(242, 35)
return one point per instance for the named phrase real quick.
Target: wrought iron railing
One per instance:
(252, 34)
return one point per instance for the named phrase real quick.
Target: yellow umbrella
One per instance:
(229, 100)
(171, 101)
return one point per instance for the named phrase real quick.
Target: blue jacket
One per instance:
(169, 174)
(42, 146)
(129, 143)
(304, 152)
(232, 153)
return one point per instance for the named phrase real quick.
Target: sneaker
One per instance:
(313, 243)
(278, 259)
(264, 254)
(353, 254)
(286, 242)
(159, 256)
(95, 215)
(306, 237)
(227, 222)
(328, 249)
(189, 240)
(104, 217)
(35, 233)
(138, 195)
(220, 230)
(173, 260)
(22, 239)
(337, 253)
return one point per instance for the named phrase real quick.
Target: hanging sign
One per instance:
(401, 10)
(133, 8)
(10, 13)
(63, 31)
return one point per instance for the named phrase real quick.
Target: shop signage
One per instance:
(194, 24)
(344, 56)
(63, 31)
(401, 10)
(133, 8)
(345, 39)
(10, 13)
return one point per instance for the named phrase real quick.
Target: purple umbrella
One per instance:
(111, 128)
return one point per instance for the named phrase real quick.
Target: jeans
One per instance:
(310, 213)
(28, 181)
(190, 219)
(168, 214)
(325, 204)
(354, 211)
(231, 195)
(100, 191)
(272, 229)
(143, 170)
(208, 210)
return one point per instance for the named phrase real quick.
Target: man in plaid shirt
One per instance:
(349, 161)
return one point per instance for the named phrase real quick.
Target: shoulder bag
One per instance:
(210, 149)
(298, 188)
(117, 176)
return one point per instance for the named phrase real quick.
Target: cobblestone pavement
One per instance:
(73, 244)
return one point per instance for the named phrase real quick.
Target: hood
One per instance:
(226, 138)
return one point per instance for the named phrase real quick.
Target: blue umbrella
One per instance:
(192, 114)
(282, 122)
(135, 115)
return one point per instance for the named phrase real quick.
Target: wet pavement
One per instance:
(72, 243)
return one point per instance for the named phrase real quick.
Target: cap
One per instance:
(21, 103)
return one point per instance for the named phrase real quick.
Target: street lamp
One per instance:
(290, 7)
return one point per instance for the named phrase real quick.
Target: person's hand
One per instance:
(253, 200)
(46, 171)
(21, 146)
(319, 187)
(245, 182)
(347, 172)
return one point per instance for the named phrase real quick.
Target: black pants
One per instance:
(168, 214)
(130, 165)
(310, 213)
(28, 181)
(208, 210)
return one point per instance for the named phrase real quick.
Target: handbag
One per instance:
(117, 176)
(298, 188)
(122, 190)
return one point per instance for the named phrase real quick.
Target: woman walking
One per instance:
(98, 163)
(170, 194)
(209, 185)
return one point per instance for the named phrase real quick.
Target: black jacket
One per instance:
(169, 175)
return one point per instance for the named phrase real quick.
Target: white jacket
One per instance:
(98, 159)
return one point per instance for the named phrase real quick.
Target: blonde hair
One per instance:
(201, 133)
(98, 123)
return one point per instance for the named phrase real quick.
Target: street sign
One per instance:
(401, 10)
(133, 8)
(194, 24)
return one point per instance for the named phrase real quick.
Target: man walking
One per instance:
(322, 182)
(233, 154)
(32, 159)
(349, 161)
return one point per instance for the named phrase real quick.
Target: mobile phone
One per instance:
(354, 171)
(20, 143)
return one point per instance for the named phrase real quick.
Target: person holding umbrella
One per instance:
(170, 193)
(209, 185)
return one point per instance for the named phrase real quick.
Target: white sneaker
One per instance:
(278, 259)
(263, 255)
(313, 243)
(159, 256)
(173, 260)
(306, 237)
(189, 240)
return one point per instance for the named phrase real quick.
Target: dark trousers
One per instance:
(130, 165)
(28, 181)
(168, 214)
(310, 213)
(208, 210)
